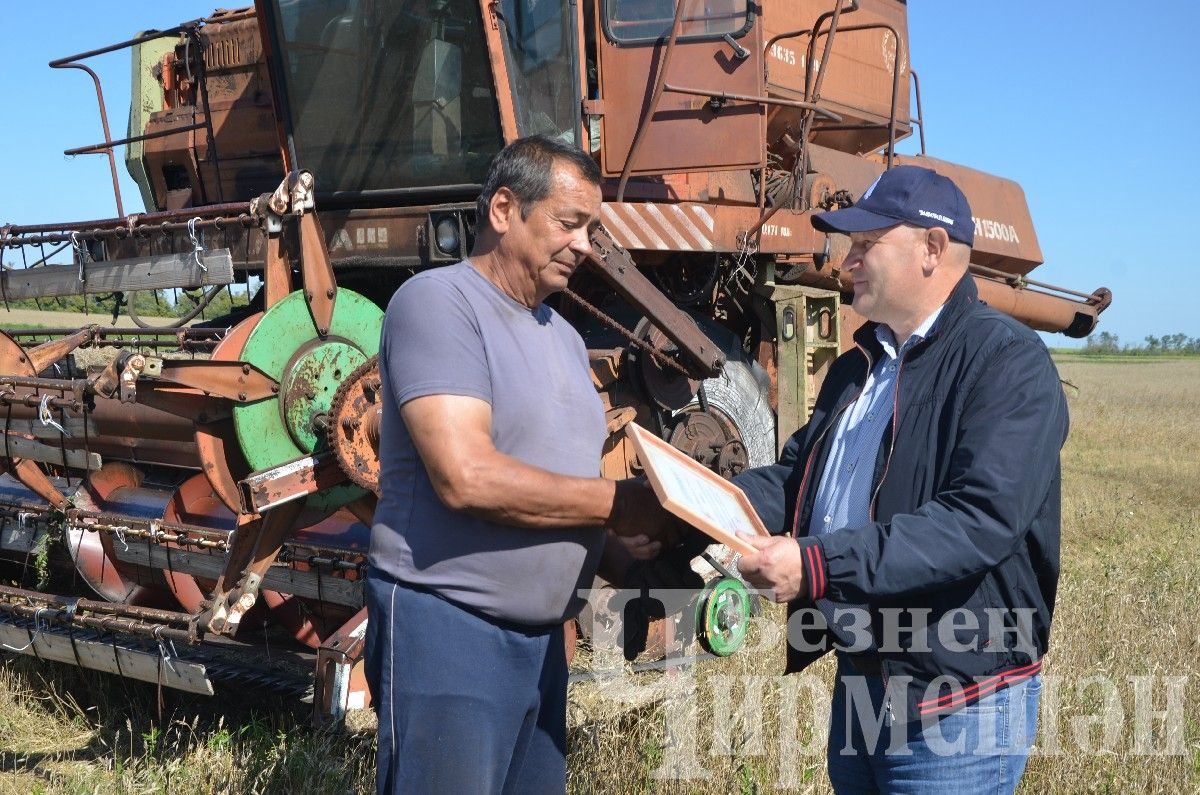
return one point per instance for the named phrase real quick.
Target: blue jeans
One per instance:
(982, 747)
(465, 704)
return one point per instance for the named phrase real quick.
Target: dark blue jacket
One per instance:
(965, 514)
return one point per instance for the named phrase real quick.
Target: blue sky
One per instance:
(1090, 107)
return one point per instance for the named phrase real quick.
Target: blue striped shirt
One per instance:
(844, 493)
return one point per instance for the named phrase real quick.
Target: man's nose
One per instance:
(581, 243)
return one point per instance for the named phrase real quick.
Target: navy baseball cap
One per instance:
(905, 195)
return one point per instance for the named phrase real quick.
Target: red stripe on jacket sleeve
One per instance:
(814, 566)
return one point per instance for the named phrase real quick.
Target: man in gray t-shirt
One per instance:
(451, 331)
(492, 515)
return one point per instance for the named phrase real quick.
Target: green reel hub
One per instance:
(309, 370)
(309, 384)
(723, 616)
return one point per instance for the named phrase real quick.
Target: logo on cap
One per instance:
(936, 217)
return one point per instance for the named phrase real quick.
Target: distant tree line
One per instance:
(1108, 343)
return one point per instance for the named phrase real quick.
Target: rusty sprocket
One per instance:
(354, 424)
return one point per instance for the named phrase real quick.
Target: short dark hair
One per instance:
(525, 167)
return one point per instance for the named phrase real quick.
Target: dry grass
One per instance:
(1127, 607)
(1128, 597)
(63, 730)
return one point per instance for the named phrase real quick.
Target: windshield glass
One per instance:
(640, 21)
(540, 46)
(388, 95)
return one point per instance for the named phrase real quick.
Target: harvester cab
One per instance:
(212, 483)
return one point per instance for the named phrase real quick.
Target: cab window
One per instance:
(644, 21)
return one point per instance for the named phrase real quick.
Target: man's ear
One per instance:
(503, 207)
(937, 247)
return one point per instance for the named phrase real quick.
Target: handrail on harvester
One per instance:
(191, 30)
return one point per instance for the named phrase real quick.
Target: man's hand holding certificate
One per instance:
(721, 511)
(776, 568)
(696, 494)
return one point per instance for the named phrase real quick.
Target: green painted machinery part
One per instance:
(723, 616)
(309, 370)
(145, 98)
(808, 334)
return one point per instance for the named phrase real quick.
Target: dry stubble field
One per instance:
(1119, 711)
(36, 318)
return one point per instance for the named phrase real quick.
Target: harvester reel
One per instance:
(216, 442)
(309, 370)
(16, 361)
(354, 427)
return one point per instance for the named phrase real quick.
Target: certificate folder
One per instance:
(696, 494)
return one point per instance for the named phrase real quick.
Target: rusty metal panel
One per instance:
(684, 133)
(663, 226)
(246, 159)
(1005, 238)
(858, 77)
(264, 490)
(847, 171)
(707, 187)
(859, 74)
(1004, 235)
(786, 232)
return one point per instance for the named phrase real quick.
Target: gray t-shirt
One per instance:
(450, 331)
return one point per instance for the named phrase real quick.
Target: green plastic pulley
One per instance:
(309, 370)
(723, 616)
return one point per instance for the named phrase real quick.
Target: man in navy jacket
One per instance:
(917, 512)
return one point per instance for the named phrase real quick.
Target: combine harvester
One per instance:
(192, 497)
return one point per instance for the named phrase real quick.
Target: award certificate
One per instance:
(695, 493)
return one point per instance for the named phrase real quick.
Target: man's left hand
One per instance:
(639, 547)
(777, 568)
(638, 512)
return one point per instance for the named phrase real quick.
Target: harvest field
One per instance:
(1119, 705)
(35, 318)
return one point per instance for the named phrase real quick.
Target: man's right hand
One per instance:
(776, 569)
